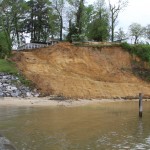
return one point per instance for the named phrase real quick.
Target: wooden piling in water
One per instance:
(140, 105)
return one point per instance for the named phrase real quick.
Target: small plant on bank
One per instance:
(24, 81)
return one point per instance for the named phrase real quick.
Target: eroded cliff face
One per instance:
(82, 72)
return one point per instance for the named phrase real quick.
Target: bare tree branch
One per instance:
(115, 9)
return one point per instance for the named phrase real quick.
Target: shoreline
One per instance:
(45, 102)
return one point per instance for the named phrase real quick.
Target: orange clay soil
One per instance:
(81, 72)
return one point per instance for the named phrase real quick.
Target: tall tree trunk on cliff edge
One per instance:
(59, 7)
(79, 16)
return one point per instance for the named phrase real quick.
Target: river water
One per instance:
(105, 126)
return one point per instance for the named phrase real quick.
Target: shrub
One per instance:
(4, 46)
(141, 50)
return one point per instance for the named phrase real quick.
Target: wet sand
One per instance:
(45, 101)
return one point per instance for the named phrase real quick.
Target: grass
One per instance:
(8, 67)
(82, 44)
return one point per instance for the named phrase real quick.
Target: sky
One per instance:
(137, 11)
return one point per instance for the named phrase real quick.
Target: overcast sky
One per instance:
(137, 11)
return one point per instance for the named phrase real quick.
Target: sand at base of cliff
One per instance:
(46, 102)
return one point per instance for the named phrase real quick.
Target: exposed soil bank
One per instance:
(82, 72)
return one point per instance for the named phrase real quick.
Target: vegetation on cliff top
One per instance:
(138, 67)
(140, 50)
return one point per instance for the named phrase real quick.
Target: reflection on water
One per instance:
(9, 112)
(102, 126)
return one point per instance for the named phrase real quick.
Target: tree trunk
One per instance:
(32, 26)
(17, 33)
(61, 27)
(79, 17)
(112, 27)
(136, 39)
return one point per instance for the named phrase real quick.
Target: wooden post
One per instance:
(140, 105)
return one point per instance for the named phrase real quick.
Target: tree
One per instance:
(5, 25)
(147, 32)
(4, 45)
(72, 31)
(120, 35)
(13, 15)
(59, 6)
(99, 26)
(115, 9)
(88, 18)
(136, 31)
(77, 15)
(40, 21)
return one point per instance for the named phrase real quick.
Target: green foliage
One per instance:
(4, 47)
(13, 14)
(8, 67)
(136, 31)
(98, 27)
(98, 46)
(72, 31)
(141, 50)
(77, 19)
(78, 38)
(98, 30)
(127, 47)
(24, 81)
(120, 35)
(36, 17)
(49, 18)
(40, 21)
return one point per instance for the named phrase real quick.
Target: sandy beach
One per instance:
(46, 102)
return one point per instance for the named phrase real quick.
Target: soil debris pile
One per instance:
(82, 72)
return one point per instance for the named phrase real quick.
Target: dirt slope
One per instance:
(83, 72)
